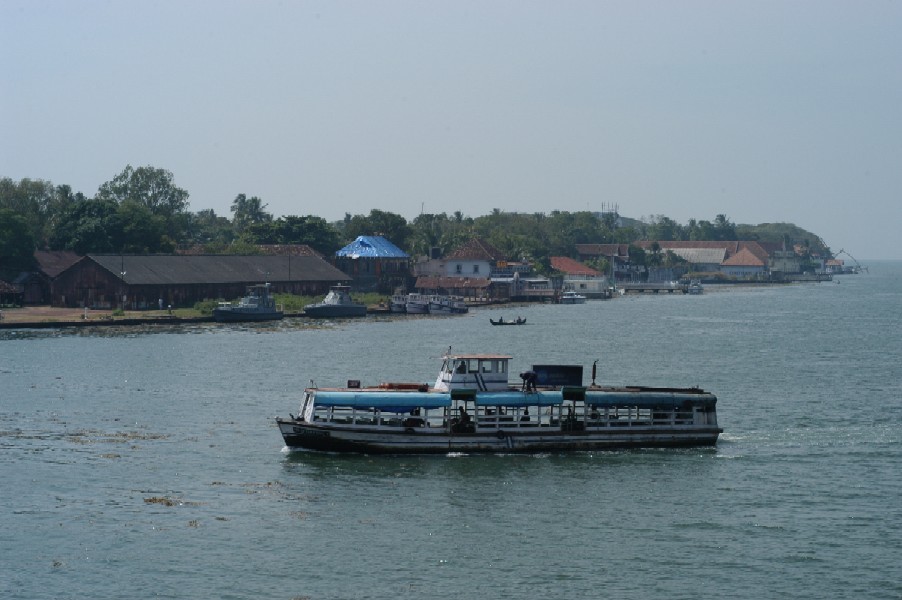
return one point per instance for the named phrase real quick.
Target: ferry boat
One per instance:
(473, 408)
(337, 303)
(257, 305)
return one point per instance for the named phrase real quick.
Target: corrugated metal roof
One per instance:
(52, 263)
(170, 269)
(708, 256)
(371, 246)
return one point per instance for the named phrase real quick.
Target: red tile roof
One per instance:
(569, 266)
(744, 258)
(477, 249)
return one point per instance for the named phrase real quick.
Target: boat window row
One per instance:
(473, 365)
(465, 417)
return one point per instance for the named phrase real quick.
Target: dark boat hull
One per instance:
(312, 436)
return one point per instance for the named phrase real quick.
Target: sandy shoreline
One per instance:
(48, 314)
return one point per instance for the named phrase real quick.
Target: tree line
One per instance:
(141, 210)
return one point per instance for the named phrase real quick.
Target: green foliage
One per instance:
(638, 256)
(142, 211)
(386, 224)
(101, 225)
(87, 226)
(205, 307)
(206, 229)
(38, 202)
(154, 188)
(16, 242)
(243, 247)
(315, 232)
(139, 230)
(779, 233)
(664, 229)
(248, 212)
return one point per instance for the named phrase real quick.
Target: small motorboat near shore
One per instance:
(257, 305)
(473, 408)
(501, 321)
(571, 297)
(695, 287)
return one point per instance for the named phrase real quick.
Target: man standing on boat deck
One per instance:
(529, 381)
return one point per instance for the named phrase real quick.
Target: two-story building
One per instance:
(581, 278)
(375, 264)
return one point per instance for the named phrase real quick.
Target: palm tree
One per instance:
(248, 211)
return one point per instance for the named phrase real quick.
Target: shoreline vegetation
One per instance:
(142, 211)
(42, 315)
(48, 317)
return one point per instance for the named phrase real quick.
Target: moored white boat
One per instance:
(398, 303)
(446, 305)
(695, 287)
(472, 407)
(571, 297)
(417, 304)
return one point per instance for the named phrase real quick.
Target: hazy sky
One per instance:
(765, 111)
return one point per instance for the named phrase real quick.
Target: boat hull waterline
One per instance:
(309, 436)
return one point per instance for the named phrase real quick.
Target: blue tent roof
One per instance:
(371, 246)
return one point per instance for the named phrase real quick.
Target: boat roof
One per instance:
(478, 356)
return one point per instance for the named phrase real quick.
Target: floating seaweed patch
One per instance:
(160, 500)
(96, 436)
(167, 501)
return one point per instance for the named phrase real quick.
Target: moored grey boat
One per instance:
(257, 305)
(337, 303)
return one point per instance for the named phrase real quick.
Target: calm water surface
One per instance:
(145, 463)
